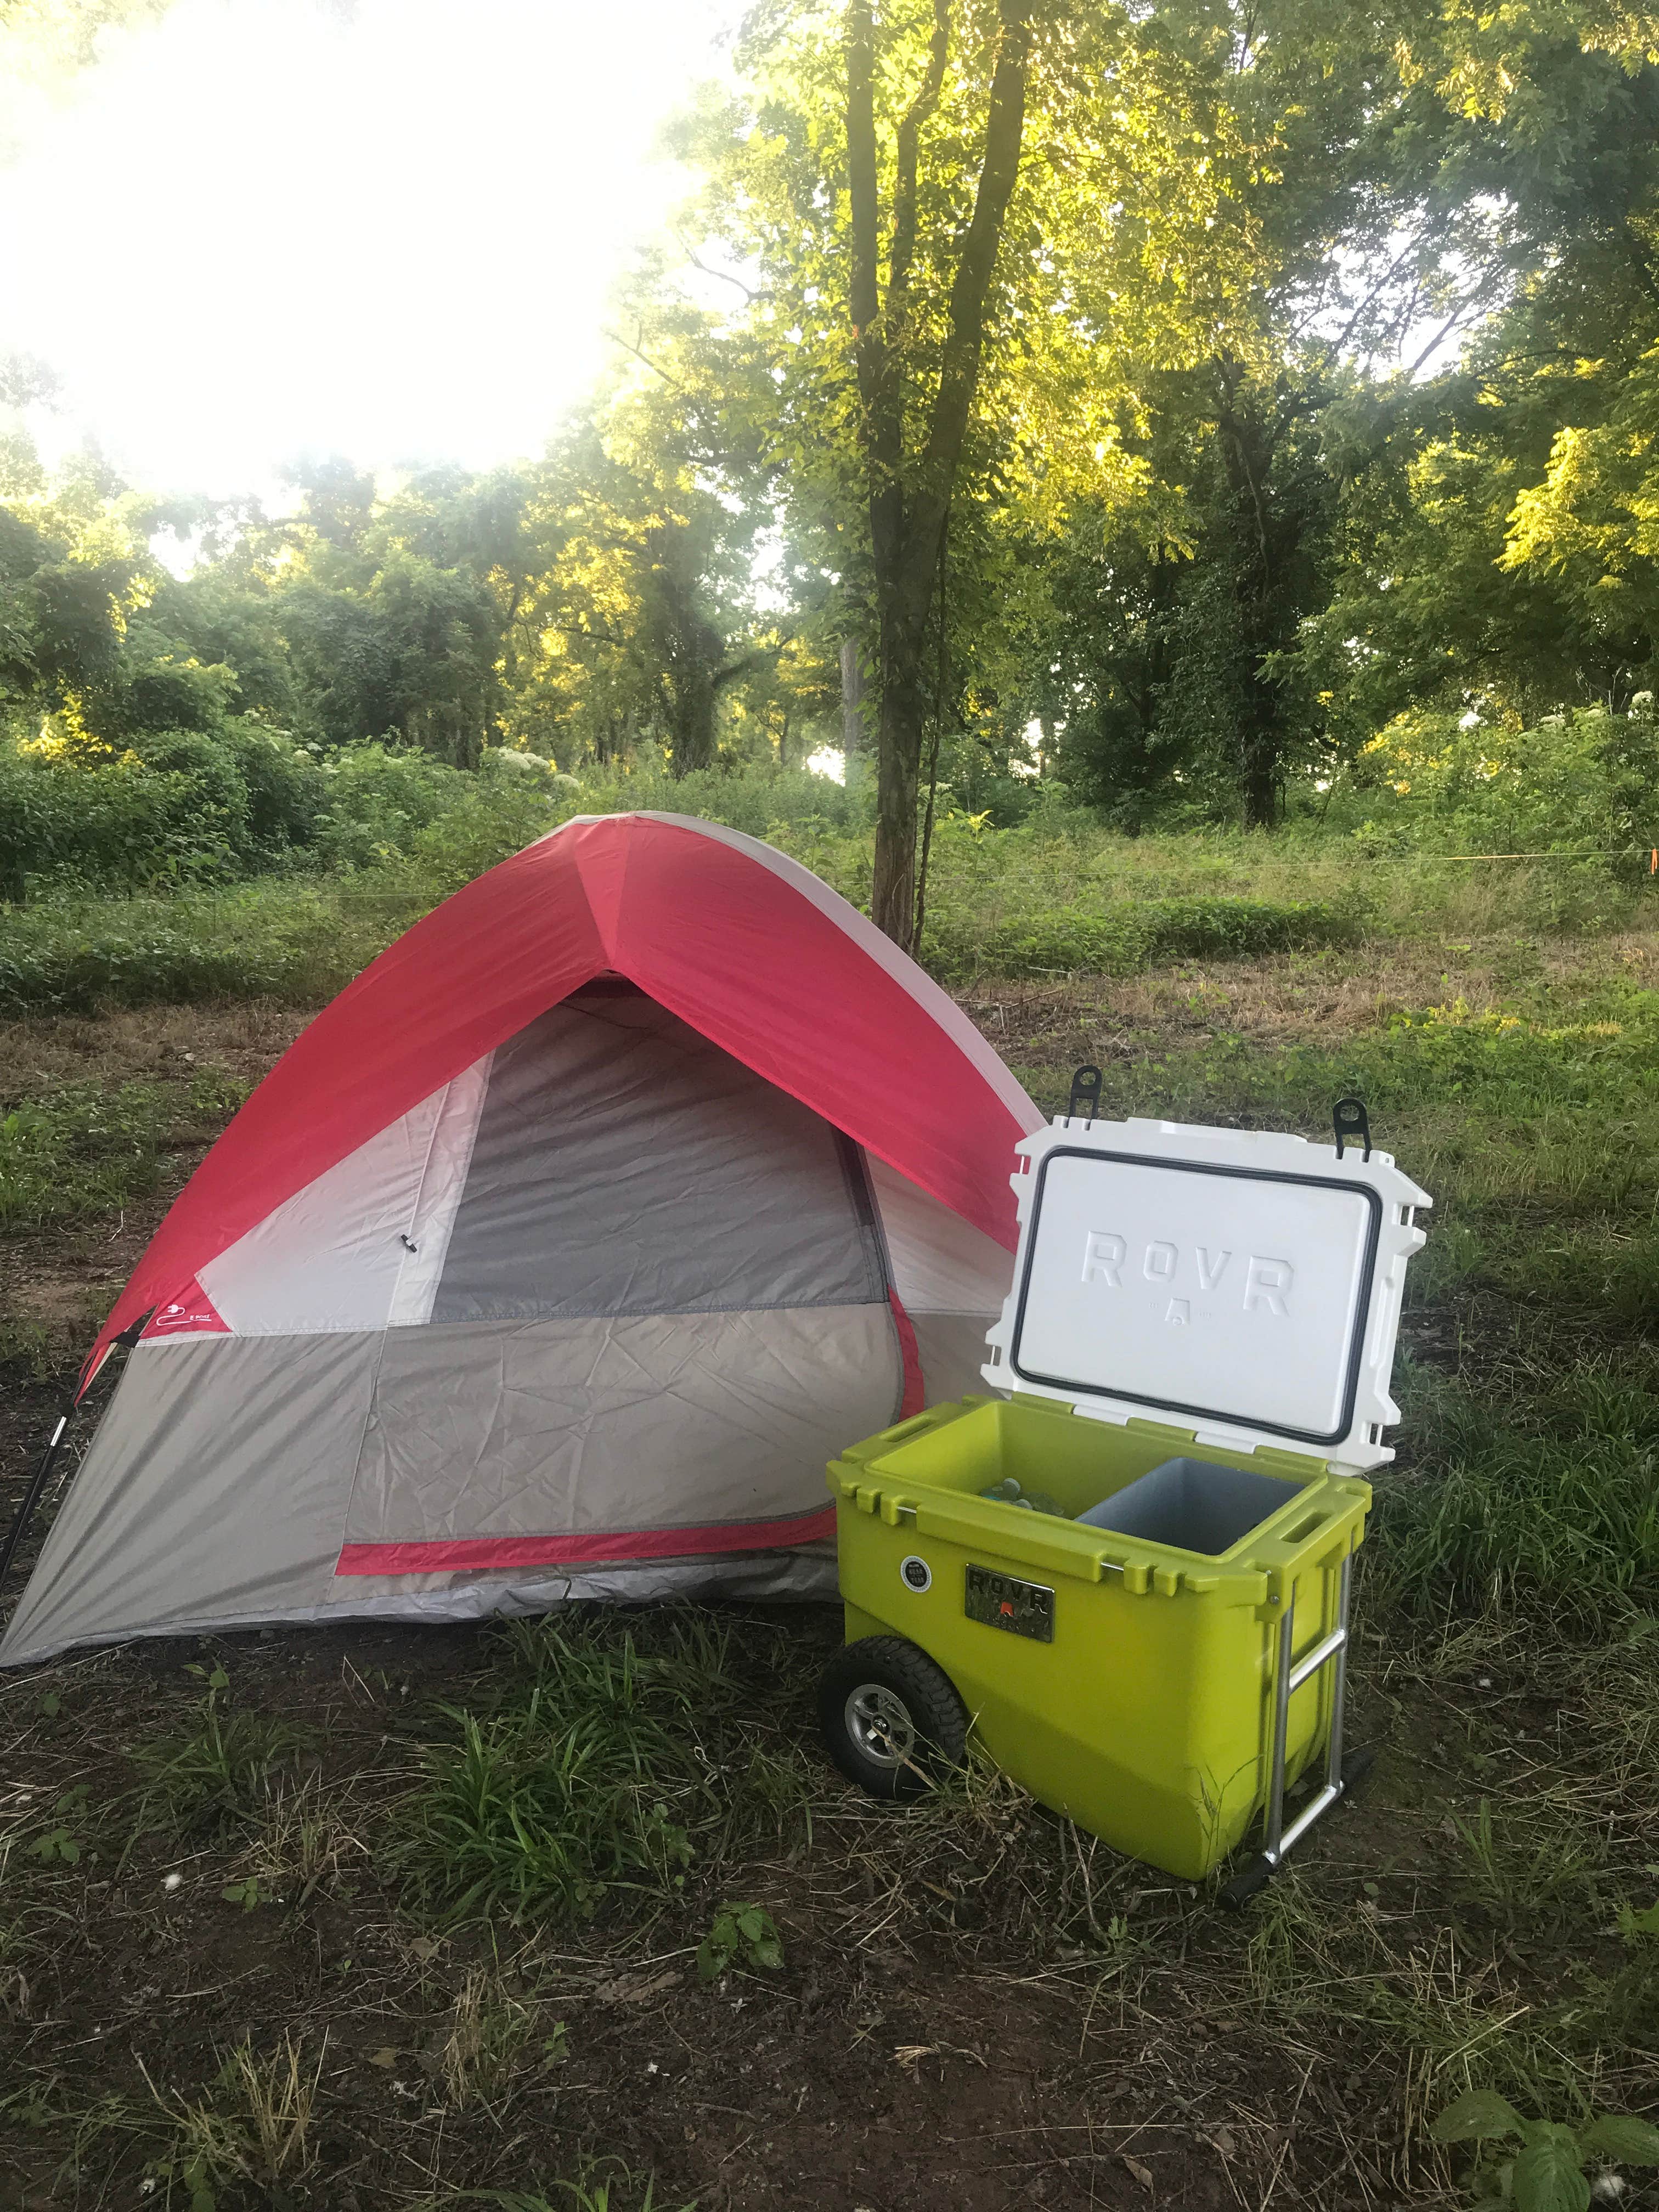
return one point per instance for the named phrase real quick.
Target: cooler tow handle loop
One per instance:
(1085, 1094)
(1352, 1124)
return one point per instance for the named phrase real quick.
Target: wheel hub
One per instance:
(878, 1721)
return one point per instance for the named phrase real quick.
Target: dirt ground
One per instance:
(879, 2069)
(977, 2007)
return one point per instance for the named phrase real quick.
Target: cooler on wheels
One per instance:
(1131, 1577)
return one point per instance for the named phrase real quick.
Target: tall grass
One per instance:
(68, 1154)
(1545, 1504)
(1033, 901)
(605, 1762)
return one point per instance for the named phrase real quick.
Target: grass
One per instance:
(528, 1850)
(211, 1777)
(71, 1153)
(1057, 895)
(294, 941)
(602, 1763)
(494, 2035)
(252, 2126)
(1544, 1504)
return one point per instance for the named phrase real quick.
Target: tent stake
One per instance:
(37, 1488)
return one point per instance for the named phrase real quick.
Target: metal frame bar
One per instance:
(1287, 1679)
(42, 1477)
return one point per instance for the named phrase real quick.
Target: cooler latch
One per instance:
(1085, 1094)
(1351, 1122)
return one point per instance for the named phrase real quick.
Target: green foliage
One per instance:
(1057, 895)
(596, 1770)
(1580, 783)
(1638, 1927)
(1135, 934)
(745, 1933)
(377, 798)
(247, 1893)
(79, 1152)
(210, 1779)
(1549, 1504)
(1211, 525)
(489, 822)
(1547, 2174)
(177, 806)
(296, 942)
(60, 1843)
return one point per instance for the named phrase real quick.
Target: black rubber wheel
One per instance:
(1357, 1765)
(892, 1718)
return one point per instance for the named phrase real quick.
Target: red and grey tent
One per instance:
(554, 1259)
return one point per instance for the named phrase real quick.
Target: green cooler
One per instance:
(1131, 1576)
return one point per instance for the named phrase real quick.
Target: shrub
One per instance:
(491, 819)
(1131, 934)
(113, 825)
(1577, 782)
(180, 805)
(755, 799)
(284, 941)
(376, 798)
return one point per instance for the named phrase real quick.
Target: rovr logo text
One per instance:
(1264, 1283)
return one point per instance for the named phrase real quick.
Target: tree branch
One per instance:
(909, 134)
(861, 182)
(724, 276)
(741, 666)
(617, 338)
(964, 341)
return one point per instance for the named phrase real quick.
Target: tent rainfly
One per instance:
(554, 1259)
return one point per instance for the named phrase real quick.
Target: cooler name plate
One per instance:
(1005, 1602)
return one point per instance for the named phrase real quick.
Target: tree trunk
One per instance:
(852, 701)
(910, 499)
(688, 702)
(898, 780)
(1247, 440)
(1259, 771)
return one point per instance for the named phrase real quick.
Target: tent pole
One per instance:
(37, 1488)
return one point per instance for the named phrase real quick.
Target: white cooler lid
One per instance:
(1244, 1285)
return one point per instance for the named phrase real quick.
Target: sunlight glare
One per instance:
(385, 228)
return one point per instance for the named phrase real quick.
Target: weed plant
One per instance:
(492, 2034)
(607, 1759)
(1053, 895)
(87, 1149)
(211, 1778)
(254, 2127)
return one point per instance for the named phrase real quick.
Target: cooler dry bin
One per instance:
(1222, 1300)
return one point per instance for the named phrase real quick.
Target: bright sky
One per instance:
(384, 227)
